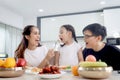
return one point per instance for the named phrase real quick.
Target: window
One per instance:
(2, 38)
(10, 38)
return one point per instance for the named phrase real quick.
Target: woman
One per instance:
(94, 35)
(31, 50)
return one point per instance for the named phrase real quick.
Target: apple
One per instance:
(90, 58)
(21, 62)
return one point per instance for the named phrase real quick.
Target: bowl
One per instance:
(95, 72)
(11, 72)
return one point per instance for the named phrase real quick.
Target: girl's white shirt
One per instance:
(35, 57)
(69, 54)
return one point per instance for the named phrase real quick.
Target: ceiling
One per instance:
(29, 8)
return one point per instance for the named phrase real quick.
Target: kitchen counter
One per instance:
(66, 76)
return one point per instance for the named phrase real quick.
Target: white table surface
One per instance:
(65, 76)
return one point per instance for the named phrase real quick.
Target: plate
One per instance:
(32, 70)
(67, 70)
(28, 71)
(51, 76)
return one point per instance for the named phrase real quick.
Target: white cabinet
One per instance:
(112, 22)
(50, 26)
(110, 18)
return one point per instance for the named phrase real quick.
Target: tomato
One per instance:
(46, 70)
(50, 70)
(21, 62)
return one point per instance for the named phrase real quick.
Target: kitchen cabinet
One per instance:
(50, 25)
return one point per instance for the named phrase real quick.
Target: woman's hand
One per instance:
(50, 54)
(46, 60)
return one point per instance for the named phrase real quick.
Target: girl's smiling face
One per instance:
(90, 39)
(34, 37)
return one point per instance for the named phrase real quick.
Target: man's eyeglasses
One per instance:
(88, 36)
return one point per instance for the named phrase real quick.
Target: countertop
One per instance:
(65, 76)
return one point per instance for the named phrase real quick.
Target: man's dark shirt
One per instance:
(109, 54)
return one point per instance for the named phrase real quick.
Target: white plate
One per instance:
(51, 75)
(66, 70)
(28, 71)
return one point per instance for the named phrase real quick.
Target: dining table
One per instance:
(66, 76)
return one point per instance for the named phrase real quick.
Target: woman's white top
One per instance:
(69, 54)
(35, 57)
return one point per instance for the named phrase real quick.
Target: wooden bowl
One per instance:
(95, 72)
(11, 72)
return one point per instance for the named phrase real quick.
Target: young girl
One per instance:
(35, 54)
(94, 35)
(69, 53)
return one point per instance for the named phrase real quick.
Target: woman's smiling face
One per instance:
(34, 37)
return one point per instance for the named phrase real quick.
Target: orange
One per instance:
(1, 62)
(9, 63)
(75, 70)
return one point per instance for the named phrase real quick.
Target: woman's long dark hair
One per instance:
(19, 52)
(69, 27)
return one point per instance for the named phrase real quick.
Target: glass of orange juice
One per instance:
(74, 70)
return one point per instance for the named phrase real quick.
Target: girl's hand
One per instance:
(81, 49)
(80, 54)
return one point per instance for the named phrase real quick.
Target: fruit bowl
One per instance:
(11, 72)
(95, 72)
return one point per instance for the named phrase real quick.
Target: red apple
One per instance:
(90, 58)
(21, 62)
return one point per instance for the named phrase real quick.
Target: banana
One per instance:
(92, 64)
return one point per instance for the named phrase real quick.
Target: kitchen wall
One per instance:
(30, 21)
(14, 19)
(11, 18)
